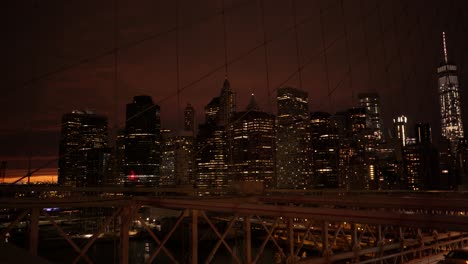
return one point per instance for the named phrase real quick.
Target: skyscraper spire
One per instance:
(445, 47)
(450, 103)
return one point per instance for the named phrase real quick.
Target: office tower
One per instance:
(450, 105)
(212, 111)
(211, 153)
(189, 118)
(83, 152)
(388, 168)
(400, 129)
(357, 120)
(292, 136)
(423, 133)
(119, 157)
(461, 182)
(184, 158)
(357, 151)
(252, 146)
(413, 168)
(325, 147)
(421, 161)
(227, 104)
(142, 143)
(167, 177)
(371, 102)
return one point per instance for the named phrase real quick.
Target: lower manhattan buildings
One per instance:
(142, 143)
(84, 151)
(292, 137)
(252, 146)
(296, 149)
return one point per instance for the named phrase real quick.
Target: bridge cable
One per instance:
(325, 60)
(348, 52)
(132, 44)
(366, 47)
(223, 15)
(298, 55)
(265, 48)
(179, 115)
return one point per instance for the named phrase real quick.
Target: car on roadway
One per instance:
(456, 256)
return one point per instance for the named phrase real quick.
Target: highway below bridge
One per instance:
(300, 227)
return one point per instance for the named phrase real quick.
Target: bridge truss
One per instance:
(297, 228)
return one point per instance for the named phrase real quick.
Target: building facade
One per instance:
(325, 146)
(252, 146)
(84, 153)
(142, 151)
(292, 139)
(450, 104)
(371, 102)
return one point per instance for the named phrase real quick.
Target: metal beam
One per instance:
(194, 236)
(248, 239)
(447, 222)
(34, 230)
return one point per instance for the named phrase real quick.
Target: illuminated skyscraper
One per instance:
(252, 146)
(325, 150)
(142, 154)
(423, 133)
(412, 166)
(371, 102)
(212, 112)
(360, 150)
(168, 165)
(400, 129)
(84, 153)
(292, 137)
(184, 158)
(211, 152)
(450, 106)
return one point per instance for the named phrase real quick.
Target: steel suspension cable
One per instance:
(325, 60)
(348, 52)
(296, 33)
(265, 49)
(223, 14)
(179, 116)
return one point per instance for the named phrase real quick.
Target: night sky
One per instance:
(59, 56)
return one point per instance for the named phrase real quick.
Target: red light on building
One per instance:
(132, 176)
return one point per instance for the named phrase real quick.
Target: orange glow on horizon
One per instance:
(47, 175)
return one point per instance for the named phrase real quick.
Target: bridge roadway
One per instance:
(424, 222)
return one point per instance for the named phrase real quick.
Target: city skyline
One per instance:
(32, 126)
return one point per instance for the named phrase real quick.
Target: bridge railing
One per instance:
(249, 228)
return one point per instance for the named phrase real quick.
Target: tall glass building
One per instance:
(84, 153)
(371, 102)
(292, 137)
(142, 153)
(325, 145)
(251, 156)
(450, 105)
